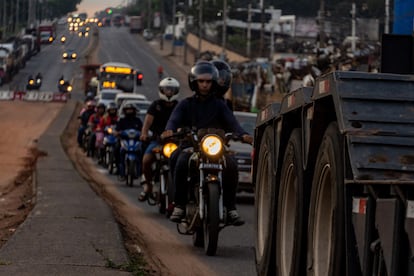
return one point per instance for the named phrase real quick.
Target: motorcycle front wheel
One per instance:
(130, 173)
(211, 221)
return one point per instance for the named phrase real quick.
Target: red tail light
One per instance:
(140, 76)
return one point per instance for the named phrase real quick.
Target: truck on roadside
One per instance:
(47, 32)
(6, 65)
(135, 24)
(333, 170)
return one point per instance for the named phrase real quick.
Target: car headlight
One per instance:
(168, 149)
(212, 145)
(65, 55)
(74, 55)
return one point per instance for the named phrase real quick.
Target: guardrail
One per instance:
(33, 96)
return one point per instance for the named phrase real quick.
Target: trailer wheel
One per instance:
(326, 220)
(265, 205)
(290, 210)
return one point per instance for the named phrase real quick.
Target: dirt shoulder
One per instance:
(22, 125)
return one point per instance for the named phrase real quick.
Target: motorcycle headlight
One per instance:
(65, 55)
(212, 145)
(31, 82)
(109, 130)
(74, 55)
(168, 149)
(69, 88)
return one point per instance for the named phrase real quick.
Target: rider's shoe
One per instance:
(177, 215)
(233, 218)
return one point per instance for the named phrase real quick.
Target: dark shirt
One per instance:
(208, 113)
(84, 117)
(161, 112)
(129, 122)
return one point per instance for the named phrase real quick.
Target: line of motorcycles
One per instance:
(34, 83)
(205, 212)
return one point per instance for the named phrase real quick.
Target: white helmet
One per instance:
(171, 84)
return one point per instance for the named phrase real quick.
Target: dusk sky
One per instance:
(91, 6)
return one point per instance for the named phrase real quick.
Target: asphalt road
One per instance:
(235, 255)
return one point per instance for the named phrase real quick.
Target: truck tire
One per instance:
(265, 205)
(291, 211)
(326, 240)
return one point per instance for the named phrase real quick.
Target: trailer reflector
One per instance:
(359, 205)
(410, 209)
(323, 86)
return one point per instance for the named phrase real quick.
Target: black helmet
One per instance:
(101, 105)
(111, 108)
(202, 68)
(224, 78)
(129, 109)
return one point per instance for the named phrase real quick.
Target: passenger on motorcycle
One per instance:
(155, 120)
(83, 117)
(201, 111)
(111, 116)
(95, 123)
(224, 81)
(130, 120)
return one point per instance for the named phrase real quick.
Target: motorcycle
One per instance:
(132, 151)
(34, 83)
(109, 143)
(205, 214)
(162, 177)
(64, 86)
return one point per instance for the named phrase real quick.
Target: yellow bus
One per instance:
(117, 75)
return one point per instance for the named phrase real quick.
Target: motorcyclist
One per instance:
(224, 80)
(95, 123)
(84, 118)
(128, 121)
(111, 116)
(204, 110)
(155, 120)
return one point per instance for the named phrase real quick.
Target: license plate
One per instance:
(211, 166)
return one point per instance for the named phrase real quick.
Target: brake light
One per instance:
(140, 76)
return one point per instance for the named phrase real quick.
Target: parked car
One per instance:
(243, 152)
(147, 34)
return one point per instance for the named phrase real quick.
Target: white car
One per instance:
(107, 95)
(120, 98)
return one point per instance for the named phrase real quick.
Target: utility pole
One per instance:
(174, 11)
(31, 16)
(387, 17)
(223, 41)
(200, 26)
(321, 18)
(149, 15)
(17, 22)
(249, 34)
(262, 19)
(353, 12)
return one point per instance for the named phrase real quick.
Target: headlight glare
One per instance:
(168, 149)
(212, 145)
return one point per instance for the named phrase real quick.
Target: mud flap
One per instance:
(388, 221)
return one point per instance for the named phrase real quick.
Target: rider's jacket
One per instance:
(129, 122)
(200, 113)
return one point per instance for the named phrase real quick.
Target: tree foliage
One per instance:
(58, 8)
